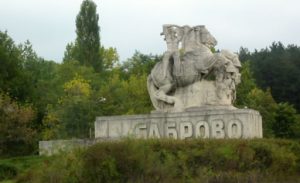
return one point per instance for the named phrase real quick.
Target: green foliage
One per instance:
(40, 73)
(75, 103)
(136, 87)
(125, 82)
(7, 172)
(249, 96)
(247, 84)
(119, 94)
(70, 53)
(287, 121)
(16, 133)
(13, 78)
(139, 64)
(176, 161)
(109, 57)
(73, 115)
(263, 102)
(67, 71)
(277, 68)
(279, 120)
(88, 38)
(77, 87)
(17, 166)
(63, 168)
(25, 76)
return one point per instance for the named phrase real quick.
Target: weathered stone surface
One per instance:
(200, 93)
(55, 146)
(206, 122)
(189, 65)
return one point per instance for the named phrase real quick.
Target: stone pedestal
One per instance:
(204, 122)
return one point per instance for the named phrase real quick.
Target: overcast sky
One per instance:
(130, 25)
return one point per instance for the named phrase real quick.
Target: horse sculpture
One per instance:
(191, 63)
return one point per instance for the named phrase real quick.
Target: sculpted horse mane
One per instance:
(187, 76)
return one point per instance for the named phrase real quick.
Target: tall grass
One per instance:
(131, 160)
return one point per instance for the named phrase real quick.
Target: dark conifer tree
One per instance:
(88, 38)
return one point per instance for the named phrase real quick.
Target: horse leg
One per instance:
(161, 94)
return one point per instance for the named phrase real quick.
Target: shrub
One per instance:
(164, 160)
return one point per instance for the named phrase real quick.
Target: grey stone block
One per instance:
(194, 123)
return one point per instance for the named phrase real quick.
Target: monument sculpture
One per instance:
(192, 75)
(192, 90)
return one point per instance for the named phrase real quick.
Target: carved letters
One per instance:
(185, 130)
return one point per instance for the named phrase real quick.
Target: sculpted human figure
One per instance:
(187, 39)
(173, 36)
(228, 76)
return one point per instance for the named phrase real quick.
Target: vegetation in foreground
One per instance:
(10, 168)
(129, 160)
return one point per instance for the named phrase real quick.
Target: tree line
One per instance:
(42, 99)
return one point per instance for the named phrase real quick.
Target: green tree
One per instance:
(120, 96)
(271, 67)
(40, 74)
(113, 96)
(88, 38)
(136, 88)
(250, 96)
(125, 82)
(16, 134)
(247, 84)
(109, 57)
(287, 121)
(139, 64)
(13, 79)
(70, 52)
(278, 68)
(263, 102)
(73, 115)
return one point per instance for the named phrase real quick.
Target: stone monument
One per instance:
(192, 90)
(193, 76)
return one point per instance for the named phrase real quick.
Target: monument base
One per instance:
(204, 122)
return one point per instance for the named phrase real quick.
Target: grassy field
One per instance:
(129, 160)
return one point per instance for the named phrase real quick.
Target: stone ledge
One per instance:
(214, 122)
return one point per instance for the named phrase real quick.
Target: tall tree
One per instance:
(277, 68)
(13, 79)
(88, 38)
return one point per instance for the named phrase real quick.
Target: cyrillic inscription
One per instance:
(184, 130)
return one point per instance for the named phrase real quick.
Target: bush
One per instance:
(16, 135)
(131, 160)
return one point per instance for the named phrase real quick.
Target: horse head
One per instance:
(205, 36)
